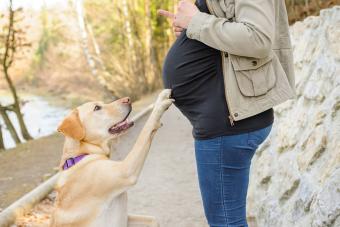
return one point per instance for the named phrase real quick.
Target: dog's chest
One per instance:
(114, 212)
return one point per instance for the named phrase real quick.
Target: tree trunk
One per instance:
(84, 38)
(98, 59)
(317, 5)
(128, 31)
(85, 46)
(135, 66)
(16, 107)
(2, 145)
(22, 124)
(9, 125)
(127, 26)
(294, 10)
(6, 63)
(307, 7)
(151, 60)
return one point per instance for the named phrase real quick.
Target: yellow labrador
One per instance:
(91, 190)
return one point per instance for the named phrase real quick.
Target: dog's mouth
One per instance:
(122, 125)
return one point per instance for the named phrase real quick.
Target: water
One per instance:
(40, 117)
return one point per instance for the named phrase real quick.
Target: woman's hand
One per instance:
(180, 21)
(177, 30)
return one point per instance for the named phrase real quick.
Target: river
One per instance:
(40, 116)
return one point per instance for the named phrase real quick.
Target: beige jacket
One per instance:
(253, 37)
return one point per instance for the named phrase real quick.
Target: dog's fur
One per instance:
(93, 192)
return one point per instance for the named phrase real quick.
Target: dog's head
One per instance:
(96, 122)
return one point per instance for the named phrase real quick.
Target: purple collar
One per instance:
(72, 161)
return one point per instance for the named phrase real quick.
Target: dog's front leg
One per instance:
(134, 161)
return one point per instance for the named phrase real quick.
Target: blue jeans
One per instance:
(223, 171)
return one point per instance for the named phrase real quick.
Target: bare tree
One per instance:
(13, 41)
(91, 60)
(9, 124)
(150, 55)
(2, 145)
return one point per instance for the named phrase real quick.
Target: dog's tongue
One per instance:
(121, 126)
(122, 123)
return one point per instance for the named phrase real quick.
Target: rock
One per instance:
(312, 148)
(295, 174)
(326, 206)
(305, 195)
(320, 116)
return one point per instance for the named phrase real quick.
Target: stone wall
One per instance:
(295, 176)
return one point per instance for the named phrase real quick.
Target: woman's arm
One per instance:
(251, 35)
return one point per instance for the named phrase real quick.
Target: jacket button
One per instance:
(236, 114)
(226, 55)
(254, 63)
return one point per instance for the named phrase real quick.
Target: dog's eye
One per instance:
(96, 108)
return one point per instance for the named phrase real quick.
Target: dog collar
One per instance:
(72, 161)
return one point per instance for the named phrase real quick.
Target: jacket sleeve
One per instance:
(250, 35)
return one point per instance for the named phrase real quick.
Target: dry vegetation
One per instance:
(121, 55)
(300, 9)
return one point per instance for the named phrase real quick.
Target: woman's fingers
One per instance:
(167, 14)
(178, 29)
(177, 34)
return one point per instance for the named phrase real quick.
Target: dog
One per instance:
(92, 189)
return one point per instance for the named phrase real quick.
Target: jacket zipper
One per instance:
(231, 119)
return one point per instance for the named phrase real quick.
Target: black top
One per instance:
(193, 71)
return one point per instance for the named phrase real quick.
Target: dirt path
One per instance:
(26, 166)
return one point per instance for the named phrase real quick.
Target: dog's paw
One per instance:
(163, 101)
(165, 94)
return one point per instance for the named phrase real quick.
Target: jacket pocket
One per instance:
(254, 76)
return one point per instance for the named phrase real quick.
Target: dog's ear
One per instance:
(72, 127)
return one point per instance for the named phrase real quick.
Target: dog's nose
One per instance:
(126, 100)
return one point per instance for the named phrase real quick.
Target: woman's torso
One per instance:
(193, 71)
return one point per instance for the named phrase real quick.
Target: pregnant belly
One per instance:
(188, 65)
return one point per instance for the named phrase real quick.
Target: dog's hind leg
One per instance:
(142, 221)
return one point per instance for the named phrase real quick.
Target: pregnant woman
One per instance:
(230, 65)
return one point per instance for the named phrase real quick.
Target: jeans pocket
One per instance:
(208, 151)
(256, 138)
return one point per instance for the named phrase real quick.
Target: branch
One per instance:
(9, 37)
